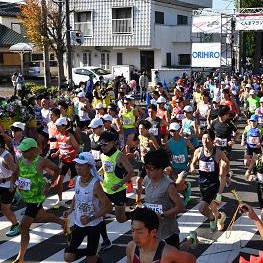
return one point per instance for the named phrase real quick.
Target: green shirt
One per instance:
(253, 104)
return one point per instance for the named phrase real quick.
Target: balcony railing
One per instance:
(122, 26)
(84, 27)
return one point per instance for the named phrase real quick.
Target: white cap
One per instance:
(107, 117)
(19, 125)
(188, 108)
(61, 121)
(252, 92)
(130, 97)
(85, 158)
(261, 99)
(248, 85)
(174, 126)
(161, 100)
(99, 106)
(81, 95)
(95, 123)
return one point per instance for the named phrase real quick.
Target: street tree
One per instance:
(31, 19)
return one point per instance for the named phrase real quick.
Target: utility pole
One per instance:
(69, 57)
(45, 46)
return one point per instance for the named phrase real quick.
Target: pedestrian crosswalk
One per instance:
(47, 242)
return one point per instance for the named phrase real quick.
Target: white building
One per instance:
(144, 33)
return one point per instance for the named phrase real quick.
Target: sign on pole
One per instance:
(206, 55)
(247, 22)
(206, 24)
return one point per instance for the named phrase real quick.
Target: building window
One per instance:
(184, 59)
(86, 59)
(182, 20)
(119, 59)
(105, 60)
(159, 17)
(168, 59)
(122, 19)
(83, 23)
(37, 57)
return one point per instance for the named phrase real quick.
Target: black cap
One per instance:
(107, 136)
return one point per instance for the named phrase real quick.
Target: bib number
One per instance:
(156, 208)
(153, 131)
(23, 184)
(179, 158)
(108, 167)
(127, 121)
(207, 167)
(252, 107)
(203, 123)
(221, 142)
(260, 177)
(253, 140)
(86, 208)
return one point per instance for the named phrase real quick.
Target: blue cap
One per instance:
(254, 117)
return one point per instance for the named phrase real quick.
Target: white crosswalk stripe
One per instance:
(222, 250)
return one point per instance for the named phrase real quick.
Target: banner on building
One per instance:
(206, 55)
(247, 22)
(206, 24)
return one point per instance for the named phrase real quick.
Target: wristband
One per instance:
(219, 197)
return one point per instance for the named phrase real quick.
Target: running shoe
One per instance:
(59, 204)
(71, 183)
(105, 245)
(14, 231)
(221, 221)
(193, 239)
(187, 194)
(213, 225)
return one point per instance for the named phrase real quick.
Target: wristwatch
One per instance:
(162, 215)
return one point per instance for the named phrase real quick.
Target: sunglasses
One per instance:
(15, 129)
(150, 168)
(104, 144)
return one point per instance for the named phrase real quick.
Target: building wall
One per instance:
(201, 3)
(102, 22)
(11, 22)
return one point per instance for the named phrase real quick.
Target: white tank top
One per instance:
(4, 173)
(86, 203)
(203, 110)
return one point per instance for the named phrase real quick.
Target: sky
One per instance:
(223, 4)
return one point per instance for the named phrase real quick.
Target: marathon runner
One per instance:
(146, 248)
(212, 165)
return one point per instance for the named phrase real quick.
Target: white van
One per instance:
(36, 69)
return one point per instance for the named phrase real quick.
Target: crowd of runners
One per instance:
(108, 143)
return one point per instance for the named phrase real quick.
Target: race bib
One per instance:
(23, 184)
(108, 166)
(127, 121)
(96, 154)
(153, 131)
(221, 142)
(86, 208)
(156, 208)
(203, 123)
(260, 177)
(252, 140)
(252, 107)
(260, 120)
(179, 158)
(207, 167)
(64, 152)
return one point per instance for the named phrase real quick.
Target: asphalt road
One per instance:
(47, 242)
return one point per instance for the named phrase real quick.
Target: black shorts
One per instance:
(32, 209)
(208, 193)
(79, 233)
(226, 150)
(251, 151)
(119, 198)
(6, 196)
(64, 167)
(173, 240)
